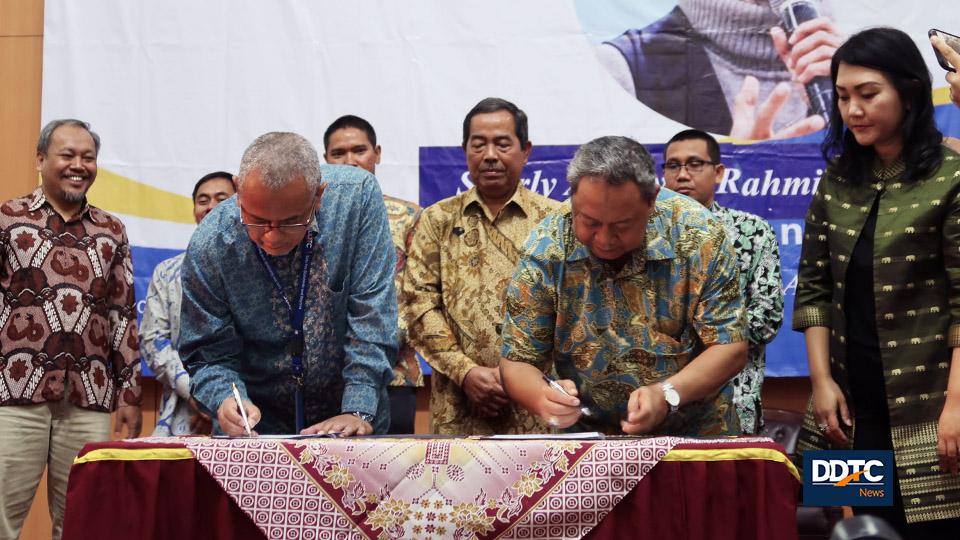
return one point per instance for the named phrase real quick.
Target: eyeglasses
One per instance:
(281, 227)
(694, 166)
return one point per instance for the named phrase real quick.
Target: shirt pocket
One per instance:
(660, 335)
(338, 309)
(327, 312)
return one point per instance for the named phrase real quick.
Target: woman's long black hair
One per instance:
(892, 52)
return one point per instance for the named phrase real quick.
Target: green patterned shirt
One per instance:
(758, 256)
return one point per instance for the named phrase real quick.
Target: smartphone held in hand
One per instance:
(952, 41)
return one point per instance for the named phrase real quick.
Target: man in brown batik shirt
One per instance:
(68, 334)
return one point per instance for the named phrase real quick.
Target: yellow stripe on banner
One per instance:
(941, 96)
(134, 454)
(740, 142)
(731, 454)
(122, 195)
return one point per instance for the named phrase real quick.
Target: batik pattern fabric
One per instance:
(612, 331)
(443, 487)
(403, 216)
(460, 262)
(67, 310)
(159, 336)
(916, 257)
(235, 325)
(758, 257)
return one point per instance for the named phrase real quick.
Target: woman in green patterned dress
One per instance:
(878, 295)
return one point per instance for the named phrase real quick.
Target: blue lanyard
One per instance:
(294, 341)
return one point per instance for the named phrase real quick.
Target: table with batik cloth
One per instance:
(662, 487)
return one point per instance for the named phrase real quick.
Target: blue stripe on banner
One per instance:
(145, 259)
(948, 119)
(443, 172)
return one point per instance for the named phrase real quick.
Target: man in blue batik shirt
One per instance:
(245, 291)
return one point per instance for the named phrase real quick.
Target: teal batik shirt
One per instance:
(612, 331)
(234, 324)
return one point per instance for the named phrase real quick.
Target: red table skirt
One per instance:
(161, 499)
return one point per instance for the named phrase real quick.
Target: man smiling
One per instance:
(288, 294)
(68, 334)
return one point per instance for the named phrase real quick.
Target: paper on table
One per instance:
(282, 436)
(585, 435)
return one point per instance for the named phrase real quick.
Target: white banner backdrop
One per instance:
(177, 89)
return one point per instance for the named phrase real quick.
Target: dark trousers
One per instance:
(403, 407)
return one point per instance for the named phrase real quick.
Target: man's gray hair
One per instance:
(617, 160)
(281, 157)
(43, 142)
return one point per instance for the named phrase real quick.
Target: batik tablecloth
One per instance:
(429, 488)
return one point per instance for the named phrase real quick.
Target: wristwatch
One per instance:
(368, 418)
(671, 395)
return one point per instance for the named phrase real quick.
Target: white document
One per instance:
(583, 435)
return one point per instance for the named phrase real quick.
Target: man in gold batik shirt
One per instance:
(463, 255)
(351, 140)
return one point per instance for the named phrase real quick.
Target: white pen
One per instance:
(556, 386)
(243, 411)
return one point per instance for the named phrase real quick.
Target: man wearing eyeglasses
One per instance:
(288, 294)
(631, 293)
(692, 167)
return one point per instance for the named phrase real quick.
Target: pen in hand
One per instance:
(585, 411)
(243, 411)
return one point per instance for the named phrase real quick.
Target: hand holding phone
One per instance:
(948, 54)
(947, 50)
